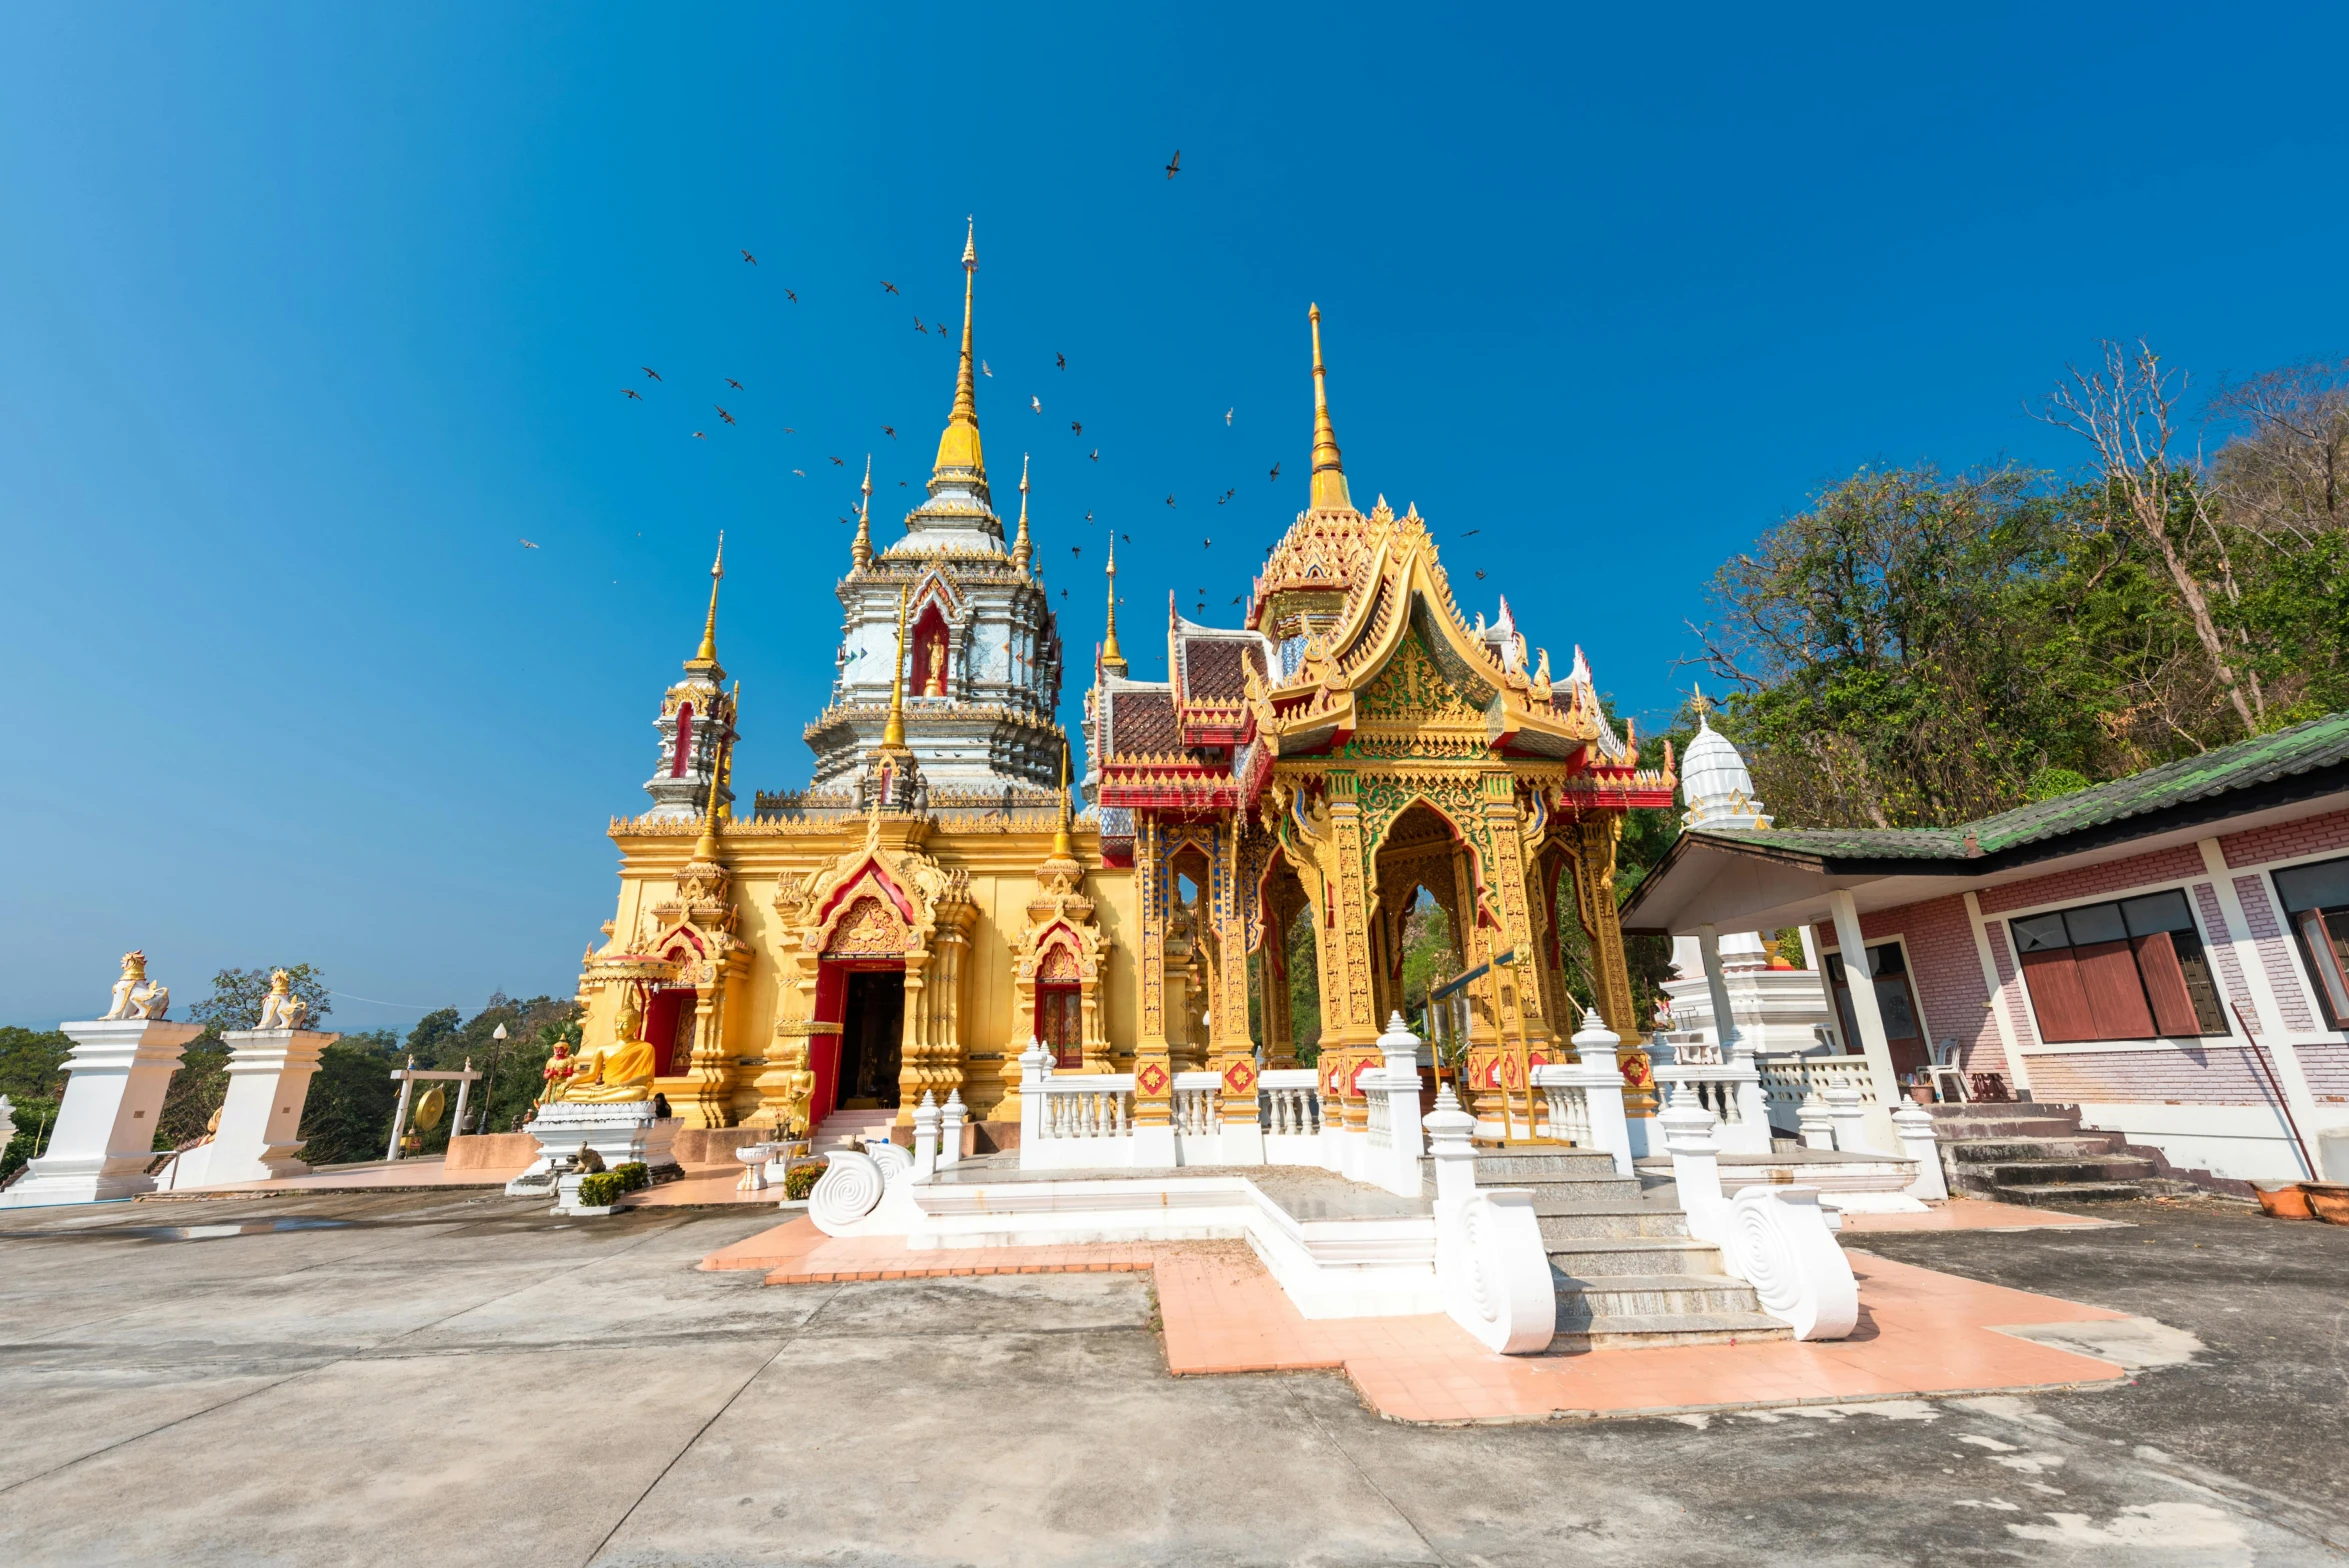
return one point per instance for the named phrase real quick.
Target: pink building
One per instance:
(2169, 952)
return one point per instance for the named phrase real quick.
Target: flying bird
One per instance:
(918, 327)
(983, 370)
(890, 431)
(1076, 426)
(747, 256)
(1097, 454)
(722, 414)
(1227, 419)
(1228, 494)
(1170, 498)
(837, 463)
(736, 385)
(1128, 538)
(1076, 550)
(1480, 577)
(698, 436)
(1037, 404)
(1206, 544)
(648, 370)
(1174, 165)
(891, 287)
(787, 430)
(1061, 360)
(1276, 471)
(1088, 517)
(794, 298)
(632, 392)
(1472, 533)
(801, 472)
(527, 545)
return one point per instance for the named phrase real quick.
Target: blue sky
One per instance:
(313, 313)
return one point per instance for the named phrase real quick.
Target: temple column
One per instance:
(1153, 1054)
(1231, 1049)
(709, 1088)
(1596, 836)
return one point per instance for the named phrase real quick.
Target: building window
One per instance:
(2316, 902)
(684, 748)
(1904, 1031)
(2129, 970)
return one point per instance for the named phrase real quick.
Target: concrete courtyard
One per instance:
(461, 1378)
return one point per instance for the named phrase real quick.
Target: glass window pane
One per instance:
(2096, 923)
(1886, 960)
(2041, 933)
(2311, 887)
(2157, 912)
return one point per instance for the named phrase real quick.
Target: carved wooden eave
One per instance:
(1402, 589)
(890, 864)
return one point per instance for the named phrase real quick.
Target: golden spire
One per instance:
(893, 734)
(1064, 847)
(706, 847)
(958, 448)
(1111, 659)
(862, 550)
(706, 658)
(1021, 550)
(1329, 469)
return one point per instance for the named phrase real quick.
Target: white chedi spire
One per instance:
(1714, 783)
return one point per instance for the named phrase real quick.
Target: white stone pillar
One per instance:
(1845, 1114)
(1874, 1043)
(1817, 1127)
(1601, 1082)
(1449, 1129)
(1914, 1124)
(925, 1121)
(1035, 1062)
(269, 1073)
(1399, 1082)
(950, 1125)
(400, 1116)
(105, 1134)
(1716, 986)
(1696, 1169)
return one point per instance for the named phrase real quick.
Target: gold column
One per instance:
(1232, 1050)
(1596, 835)
(1507, 880)
(1153, 1057)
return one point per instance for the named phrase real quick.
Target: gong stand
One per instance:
(411, 1075)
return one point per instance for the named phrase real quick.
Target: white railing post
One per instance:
(925, 1120)
(1399, 1085)
(1818, 1128)
(1035, 1067)
(1490, 1261)
(950, 1127)
(1914, 1126)
(1696, 1169)
(1843, 1109)
(1752, 1134)
(1601, 1082)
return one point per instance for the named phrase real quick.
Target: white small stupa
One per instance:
(1775, 1006)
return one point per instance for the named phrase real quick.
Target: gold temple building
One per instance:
(941, 894)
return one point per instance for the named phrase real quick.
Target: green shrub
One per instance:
(635, 1173)
(800, 1180)
(601, 1189)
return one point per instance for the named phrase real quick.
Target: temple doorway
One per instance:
(872, 1032)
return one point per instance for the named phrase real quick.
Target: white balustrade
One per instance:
(1289, 1103)
(1584, 1099)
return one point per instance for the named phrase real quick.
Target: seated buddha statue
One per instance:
(621, 1071)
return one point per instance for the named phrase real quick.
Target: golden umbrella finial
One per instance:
(893, 733)
(1699, 701)
(1021, 550)
(1329, 469)
(706, 847)
(1111, 659)
(862, 550)
(959, 447)
(1064, 847)
(707, 655)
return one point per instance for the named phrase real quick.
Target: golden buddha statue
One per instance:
(934, 679)
(621, 1071)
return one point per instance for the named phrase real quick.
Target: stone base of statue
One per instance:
(105, 1136)
(269, 1073)
(619, 1132)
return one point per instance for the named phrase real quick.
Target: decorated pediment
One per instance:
(915, 891)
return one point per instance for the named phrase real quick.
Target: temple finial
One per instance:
(1111, 659)
(1700, 703)
(862, 550)
(1064, 846)
(1329, 469)
(706, 847)
(1021, 550)
(893, 733)
(706, 657)
(958, 448)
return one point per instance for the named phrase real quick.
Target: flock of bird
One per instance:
(1035, 405)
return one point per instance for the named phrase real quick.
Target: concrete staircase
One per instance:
(852, 1128)
(2037, 1154)
(1627, 1270)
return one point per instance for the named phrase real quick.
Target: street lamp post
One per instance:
(489, 1089)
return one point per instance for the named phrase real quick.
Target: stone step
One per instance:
(1651, 1295)
(1634, 1332)
(1555, 1190)
(1957, 1129)
(1512, 1168)
(1601, 1257)
(1991, 1151)
(2070, 1192)
(1623, 1221)
(2043, 1173)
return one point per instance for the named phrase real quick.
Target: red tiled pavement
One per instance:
(1921, 1333)
(1973, 1214)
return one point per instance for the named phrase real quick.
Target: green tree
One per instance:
(201, 1083)
(32, 1076)
(347, 1117)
